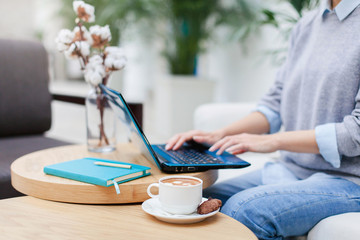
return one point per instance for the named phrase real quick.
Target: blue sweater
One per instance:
(318, 88)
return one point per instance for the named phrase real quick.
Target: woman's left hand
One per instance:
(244, 142)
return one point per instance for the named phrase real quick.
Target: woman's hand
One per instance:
(255, 123)
(244, 142)
(303, 141)
(178, 140)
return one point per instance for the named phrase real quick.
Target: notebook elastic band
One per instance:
(116, 187)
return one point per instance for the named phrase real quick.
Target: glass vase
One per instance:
(100, 122)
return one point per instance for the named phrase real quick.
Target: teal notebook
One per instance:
(85, 170)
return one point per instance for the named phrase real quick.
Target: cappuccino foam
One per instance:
(181, 181)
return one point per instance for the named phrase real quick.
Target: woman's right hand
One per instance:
(178, 140)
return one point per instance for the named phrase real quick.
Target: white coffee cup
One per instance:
(178, 194)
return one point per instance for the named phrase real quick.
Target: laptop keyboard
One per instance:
(190, 156)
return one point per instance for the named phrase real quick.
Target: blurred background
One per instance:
(181, 53)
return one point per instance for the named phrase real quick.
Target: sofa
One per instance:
(212, 116)
(25, 105)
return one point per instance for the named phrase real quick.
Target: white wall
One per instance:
(17, 19)
(33, 20)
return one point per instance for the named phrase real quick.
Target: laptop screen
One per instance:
(135, 133)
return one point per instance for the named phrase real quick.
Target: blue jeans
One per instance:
(286, 207)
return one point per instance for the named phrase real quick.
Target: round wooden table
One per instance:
(27, 176)
(33, 218)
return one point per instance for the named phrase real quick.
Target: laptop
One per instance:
(191, 157)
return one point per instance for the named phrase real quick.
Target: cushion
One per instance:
(343, 226)
(14, 147)
(24, 95)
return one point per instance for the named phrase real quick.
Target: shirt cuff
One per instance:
(272, 117)
(327, 143)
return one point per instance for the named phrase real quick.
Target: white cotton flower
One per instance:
(78, 48)
(94, 71)
(85, 12)
(96, 60)
(64, 39)
(115, 64)
(103, 32)
(115, 58)
(100, 35)
(86, 36)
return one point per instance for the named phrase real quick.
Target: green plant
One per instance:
(193, 23)
(186, 26)
(301, 5)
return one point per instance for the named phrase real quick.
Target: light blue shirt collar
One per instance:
(342, 10)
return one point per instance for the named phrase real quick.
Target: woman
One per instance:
(316, 100)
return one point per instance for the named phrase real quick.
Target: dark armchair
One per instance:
(25, 105)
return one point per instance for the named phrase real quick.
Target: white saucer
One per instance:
(152, 207)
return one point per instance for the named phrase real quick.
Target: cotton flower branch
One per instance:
(96, 58)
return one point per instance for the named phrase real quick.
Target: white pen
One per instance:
(118, 165)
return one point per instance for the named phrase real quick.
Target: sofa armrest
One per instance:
(212, 116)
